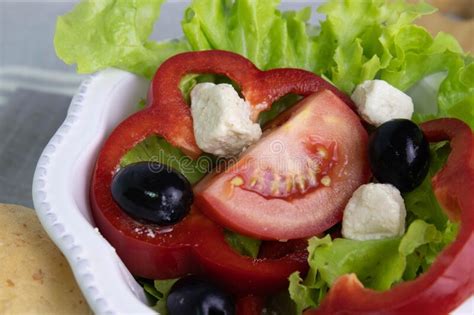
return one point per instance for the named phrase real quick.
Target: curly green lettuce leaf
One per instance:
(420, 259)
(253, 28)
(310, 291)
(157, 292)
(257, 30)
(150, 291)
(107, 33)
(417, 55)
(163, 287)
(357, 41)
(378, 264)
(442, 54)
(356, 38)
(376, 39)
(421, 203)
(456, 94)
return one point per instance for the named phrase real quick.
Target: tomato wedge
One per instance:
(296, 180)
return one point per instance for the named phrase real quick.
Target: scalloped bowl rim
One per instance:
(62, 204)
(60, 190)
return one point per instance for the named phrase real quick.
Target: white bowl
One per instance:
(61, 192)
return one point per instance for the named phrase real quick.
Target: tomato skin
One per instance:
(450, 280)
(322, 118)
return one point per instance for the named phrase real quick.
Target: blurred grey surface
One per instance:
(31, 106)
(36, 87)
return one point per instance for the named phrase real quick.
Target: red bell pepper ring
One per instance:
(249, 305)
(450, 280)
(260, 89)
(196, 244)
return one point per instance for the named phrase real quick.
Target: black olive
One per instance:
(152, 192)
(399, 154)
(192, 295)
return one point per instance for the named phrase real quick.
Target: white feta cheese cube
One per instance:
(375, 211)
(221, 120)
(378, 102)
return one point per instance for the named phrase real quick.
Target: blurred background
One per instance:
(36, 87)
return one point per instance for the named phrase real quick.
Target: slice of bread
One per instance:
(35, 278)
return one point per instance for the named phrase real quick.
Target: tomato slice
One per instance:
(296, 180)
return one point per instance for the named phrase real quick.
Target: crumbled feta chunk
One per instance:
(375, 211)
(222, 124)
(378, 102)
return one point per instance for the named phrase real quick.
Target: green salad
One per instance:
(355, 41)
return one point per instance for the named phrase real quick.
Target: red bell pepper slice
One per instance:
(196, 244)
(249, 305)
(450, 280)
(260, 89)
